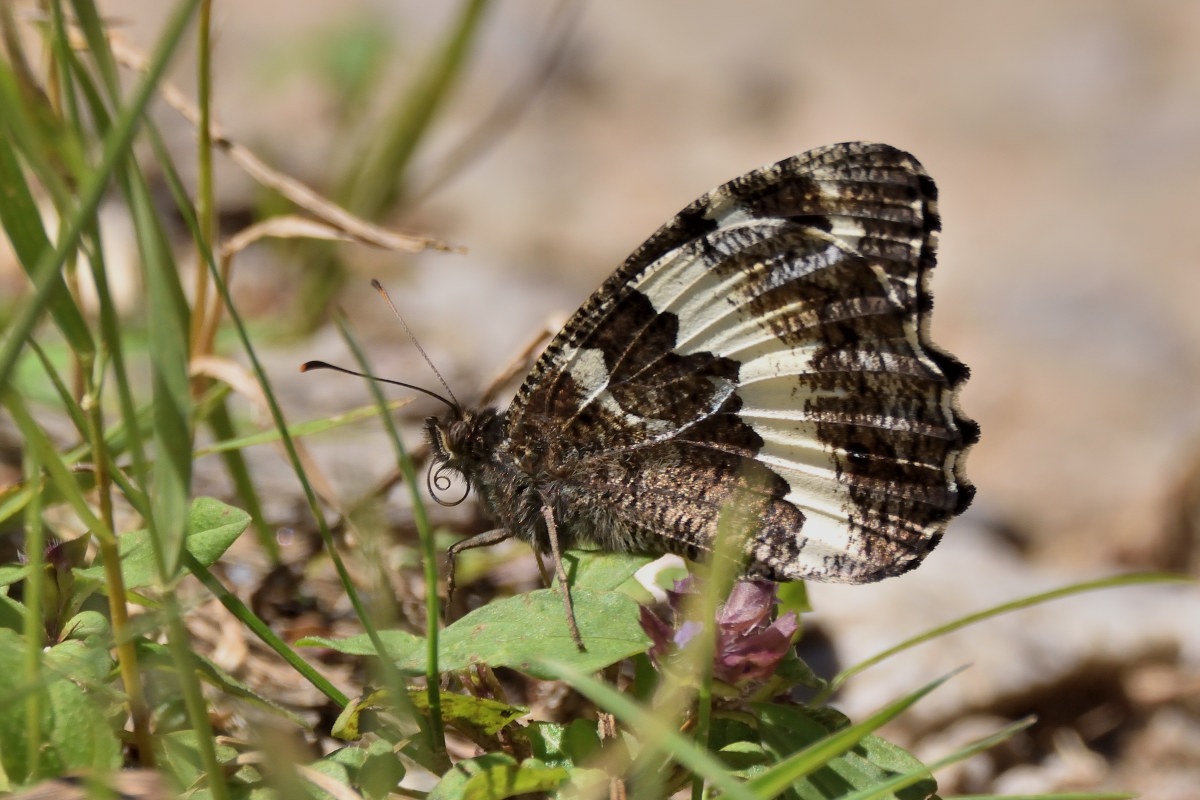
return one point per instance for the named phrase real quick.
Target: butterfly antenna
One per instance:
(412, 337)
(310, 365)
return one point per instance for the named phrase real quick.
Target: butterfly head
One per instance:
(460, 441)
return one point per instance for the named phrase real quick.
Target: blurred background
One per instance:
(1065, 139)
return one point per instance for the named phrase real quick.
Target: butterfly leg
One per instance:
(485, 539)
(546, 578)
(561, 573)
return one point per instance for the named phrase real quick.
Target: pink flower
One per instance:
(749, 645)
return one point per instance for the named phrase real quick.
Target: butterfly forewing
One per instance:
(768, 347)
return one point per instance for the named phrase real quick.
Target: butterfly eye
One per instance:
(458, 439)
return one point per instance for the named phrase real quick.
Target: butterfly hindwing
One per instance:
(767, 346)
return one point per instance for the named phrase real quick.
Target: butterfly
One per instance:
(767, 347)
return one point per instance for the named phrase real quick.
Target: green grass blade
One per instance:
(299, 430)
(375, 183)
(900, 782)
(260, 629)
(1049, 796)
(168, 324)
(436, 733)
(222, 425)
(87, 17)
(22, 221)
(653, 729)
(60, 475)
(294, 458)
(777, 779)
(1077, 588)
(45, 276)
(34, 630)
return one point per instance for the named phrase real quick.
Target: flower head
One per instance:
(749, 646)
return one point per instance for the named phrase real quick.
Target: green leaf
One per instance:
(348, 725)
(397, 644)
(73, 704)
(743, 758)
(373, 767)
(820, 755)
(477, 718)
(155, 656)
(599, 571)
(471, 715)
(656, 732)
(333, 769)
(11, 574)
(738, 743)
(180, 754)
(793, 596)
(212, 527)
(91, 627)
(794, 671)
(921, 773)
(381, 770)
(12, 614)
(562, 745)
(518, 631)
(496, 776)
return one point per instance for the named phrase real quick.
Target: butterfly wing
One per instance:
(767, 350)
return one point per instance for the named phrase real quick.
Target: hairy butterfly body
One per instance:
(768, 346)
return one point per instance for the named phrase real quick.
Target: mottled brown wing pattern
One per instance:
(769, 344)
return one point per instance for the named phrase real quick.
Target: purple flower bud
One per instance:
(749, 646)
